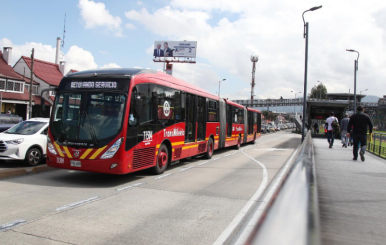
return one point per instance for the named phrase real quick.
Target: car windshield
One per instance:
(87, 116)
(26, 128)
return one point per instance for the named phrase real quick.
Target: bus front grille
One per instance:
(143, 157)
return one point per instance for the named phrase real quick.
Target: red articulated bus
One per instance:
(119, 121)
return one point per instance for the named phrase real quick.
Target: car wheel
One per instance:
(33, 157)
(162, 160)
(210, 149)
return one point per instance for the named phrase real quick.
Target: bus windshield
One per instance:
(87, 116)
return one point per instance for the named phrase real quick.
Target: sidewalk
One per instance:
(13, 169)
(352, 195)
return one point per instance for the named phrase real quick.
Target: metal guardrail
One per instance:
(377, 144)
(292, 217)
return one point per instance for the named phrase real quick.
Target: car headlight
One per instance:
(51, 147)
(14, 142)
(113, 149)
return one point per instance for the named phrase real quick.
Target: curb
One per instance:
(23, 171)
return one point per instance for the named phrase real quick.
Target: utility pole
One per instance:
(31, 84)
(254, 59)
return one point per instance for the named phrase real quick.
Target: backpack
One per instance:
(335, 126)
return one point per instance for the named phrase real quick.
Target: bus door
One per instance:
(190, 122)
(229, 120)
(250, 122)
(201, 118)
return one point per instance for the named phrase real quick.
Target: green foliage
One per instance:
(318, 92)
(268, 115)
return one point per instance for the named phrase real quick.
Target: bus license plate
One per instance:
(75, 163)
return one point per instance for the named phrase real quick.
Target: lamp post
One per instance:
(295, 99)
(355, 77)
(219, 86)
(165, 57)
(363, 91)
(305, 35)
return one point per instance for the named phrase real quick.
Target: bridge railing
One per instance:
(376, 144)
(292, 217)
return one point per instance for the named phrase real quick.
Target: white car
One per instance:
(25, 141)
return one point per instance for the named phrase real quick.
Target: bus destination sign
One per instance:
(93, 84)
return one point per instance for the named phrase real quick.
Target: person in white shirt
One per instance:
(330, 130)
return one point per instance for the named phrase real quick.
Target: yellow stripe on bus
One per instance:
(97, 152)
(178, 143)
(189, 146)
(85, 154)
(58, 149)
(67, 151)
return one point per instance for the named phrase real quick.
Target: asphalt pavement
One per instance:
(193, 202)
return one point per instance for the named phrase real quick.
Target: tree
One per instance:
(269, 115)
(318, 92)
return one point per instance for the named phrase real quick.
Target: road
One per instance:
(193, 202)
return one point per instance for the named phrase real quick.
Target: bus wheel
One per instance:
(209, 152)
(162, 160)
(238, 143)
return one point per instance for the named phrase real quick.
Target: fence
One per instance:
(376, 144)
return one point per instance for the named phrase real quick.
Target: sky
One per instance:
(121, 33)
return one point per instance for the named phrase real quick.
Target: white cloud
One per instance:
(273, 30)
(95, 15)
(77, 58)
(110, 65)
(130, 26)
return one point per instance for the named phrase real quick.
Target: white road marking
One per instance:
(214, 159)
(129, 187)
(202, 163)
(227, 155)
(186, 168)
(11, 224)
(244, 235)
(163, 176)
(240, 216)
(76, 203)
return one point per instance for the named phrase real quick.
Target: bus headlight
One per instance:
(113, 149)
(51, 147)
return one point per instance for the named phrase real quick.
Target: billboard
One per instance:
(183, 49)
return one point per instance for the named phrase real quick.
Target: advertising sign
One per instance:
(183, 49)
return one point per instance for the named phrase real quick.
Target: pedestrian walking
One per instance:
(343, 127)
(316, 128)
(360, 121)
(330, 129)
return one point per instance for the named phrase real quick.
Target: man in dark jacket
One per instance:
(360, 121)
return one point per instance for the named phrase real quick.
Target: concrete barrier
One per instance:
(14, 172)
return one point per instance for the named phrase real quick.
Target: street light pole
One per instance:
(305, 35)
(363, 91)
(355, 78)
(219, 86)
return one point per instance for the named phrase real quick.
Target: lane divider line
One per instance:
(12, 224)
(259, 210)
(77, 203)
(226, 234)
(186, 168)
(128, 187)
(202, 163)
(163, 176)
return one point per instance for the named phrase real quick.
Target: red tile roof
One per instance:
(16, 96)
(28, 80)
(47, 71)
(38, 100)
(7, 71)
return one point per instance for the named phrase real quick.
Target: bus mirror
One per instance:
(138, 107)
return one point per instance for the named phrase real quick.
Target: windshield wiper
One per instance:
(90, 128)
(64, 131)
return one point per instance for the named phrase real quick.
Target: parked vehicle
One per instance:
(264, 129)
(25, 141)
(8, 120)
